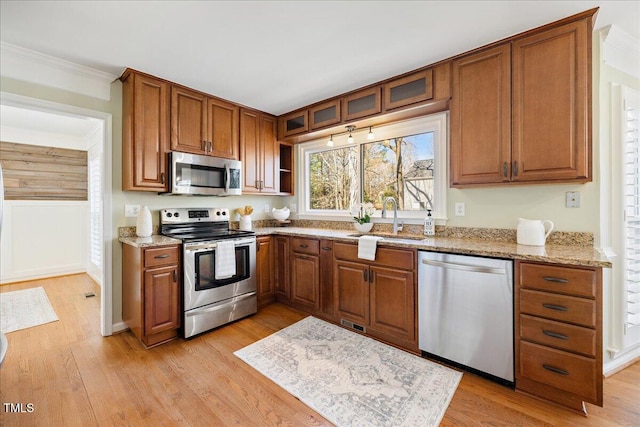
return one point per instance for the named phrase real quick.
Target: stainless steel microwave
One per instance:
(194, 174)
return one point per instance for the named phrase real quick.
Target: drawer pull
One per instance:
(555, 279)
(555, 307)
(555, 335)
(304, 246)
(555, 370)
(326, 248)
(161, 256)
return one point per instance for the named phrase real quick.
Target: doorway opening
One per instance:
(36, 115)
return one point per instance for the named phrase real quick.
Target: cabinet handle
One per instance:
(555, 370)
(162, 178)
(257, 185)
(204, 145)
(515, 168)
(364, 275)
(175, 276)
(162, 256)
(555, 307)
(370, 276)
(555, 335)
(210, 147)
(505, 169)
(304, 257)
(555, 279)
(304, 246)
(326, 248)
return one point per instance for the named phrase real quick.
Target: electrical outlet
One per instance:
(459, 209)
(572, 199)
(131, 211)
(293, 208)
(266, 209)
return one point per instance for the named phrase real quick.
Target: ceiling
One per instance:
(277, 56)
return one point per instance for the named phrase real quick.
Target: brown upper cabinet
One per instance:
(325, 114)
(363, 103)
(408, 90)
(145, 132)
(521, 111)
(203, 125)
(294, 123)
(259, 152)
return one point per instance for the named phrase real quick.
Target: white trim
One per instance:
(106, 307)
(620, 358)
(27, 65)
(429, 123)
(620, 50)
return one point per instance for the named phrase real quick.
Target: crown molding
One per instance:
(620, 50)
(34, 67)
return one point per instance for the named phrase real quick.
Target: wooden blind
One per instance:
(33, 172)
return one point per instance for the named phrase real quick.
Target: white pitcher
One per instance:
(532, 231)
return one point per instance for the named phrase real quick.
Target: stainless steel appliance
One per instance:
(193, 174)
(465, 312)
(210, 300)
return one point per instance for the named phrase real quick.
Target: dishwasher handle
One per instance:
(465, 267)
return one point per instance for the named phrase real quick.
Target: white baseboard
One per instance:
(621, 361)
(119, 327)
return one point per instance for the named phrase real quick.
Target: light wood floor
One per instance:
(75, 377)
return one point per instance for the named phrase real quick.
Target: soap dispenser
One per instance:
(429, 225)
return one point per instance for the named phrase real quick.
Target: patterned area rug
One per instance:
(24, 309)
(353, 380)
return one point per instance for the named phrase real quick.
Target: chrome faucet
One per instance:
(396, 227)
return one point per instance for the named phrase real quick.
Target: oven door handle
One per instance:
(208, 246)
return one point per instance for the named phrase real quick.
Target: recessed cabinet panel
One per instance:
(409, 90)
(361, 104)
(325, 114)
(295, 123)
(188, 121)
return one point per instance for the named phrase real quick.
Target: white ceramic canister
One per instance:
(245, 222)
(144, 224)
(532, 232)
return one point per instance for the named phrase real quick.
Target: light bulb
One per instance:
(370, 136)
(350, 139)
(330, 141)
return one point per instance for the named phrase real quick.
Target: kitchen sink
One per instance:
(387, 236)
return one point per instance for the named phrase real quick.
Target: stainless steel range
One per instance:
(219, 267)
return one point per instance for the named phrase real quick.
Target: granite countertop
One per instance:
(147, 242)
(489, 245)
(585, 256)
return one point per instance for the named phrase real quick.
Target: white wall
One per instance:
(42, 238)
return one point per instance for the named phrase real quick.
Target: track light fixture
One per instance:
(350, 139)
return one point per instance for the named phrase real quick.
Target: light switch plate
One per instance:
(266, 209)
(460, 209)
(293, 208)
(572, 199)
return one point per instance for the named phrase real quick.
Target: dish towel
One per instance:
(225, 259)
(367, 247)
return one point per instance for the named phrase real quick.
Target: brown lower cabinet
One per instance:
(264, 270)
(377, 297)
(558, 328)
(151, 292)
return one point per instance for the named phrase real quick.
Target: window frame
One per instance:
(436, 123)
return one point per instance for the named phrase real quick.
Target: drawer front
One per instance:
(565, 371)
(559, 335)
(580, 311)
(165, 255)
(305, 246)
(389, 257)
(564, 280)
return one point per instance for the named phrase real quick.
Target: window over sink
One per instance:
(405, 160)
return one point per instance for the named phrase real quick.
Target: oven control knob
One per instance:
(224, 213)
(176, 214)
(169, 215)
(218, 213)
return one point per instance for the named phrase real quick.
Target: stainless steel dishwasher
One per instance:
(465, 312)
